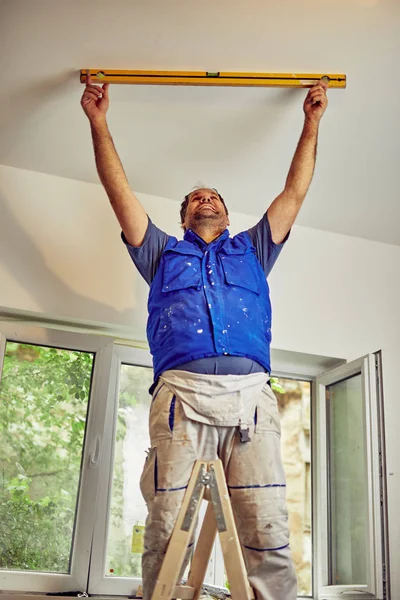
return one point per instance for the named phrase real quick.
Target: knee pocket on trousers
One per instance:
(261, 516)
(265, 534)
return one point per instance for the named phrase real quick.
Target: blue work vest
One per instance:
(208, 300)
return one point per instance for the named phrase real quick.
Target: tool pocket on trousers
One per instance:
(161, 420)
(148, 479)
(266, 416)
(167, 418)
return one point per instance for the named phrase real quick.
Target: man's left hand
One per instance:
(316, 102)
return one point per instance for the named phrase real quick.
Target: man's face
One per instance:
(205, 209)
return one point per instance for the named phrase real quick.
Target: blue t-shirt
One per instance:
(147, 258)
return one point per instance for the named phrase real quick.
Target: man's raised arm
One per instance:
(128, 210)
(284, 209)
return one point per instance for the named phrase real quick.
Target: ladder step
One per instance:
(184, 592)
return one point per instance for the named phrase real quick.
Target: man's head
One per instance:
(204, 210)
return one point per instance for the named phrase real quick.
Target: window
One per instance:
(348, 489)
(128, 509)
(74, 434)
(349, 518)
(121, 511)
(52, 409)
(44, 397)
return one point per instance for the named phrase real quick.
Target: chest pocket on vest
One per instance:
(182, 269)
(240, 268)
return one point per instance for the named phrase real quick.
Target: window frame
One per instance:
(99, 583)
(306, 374)
(366, 367)
(90, 541)
(101, 347)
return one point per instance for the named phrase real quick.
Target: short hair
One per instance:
(185, 202)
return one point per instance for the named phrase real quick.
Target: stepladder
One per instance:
(207, 482)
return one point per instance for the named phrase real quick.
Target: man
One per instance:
(209, 332)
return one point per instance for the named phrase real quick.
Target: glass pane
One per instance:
(348, 493)
(294, 407)
(44, 395)
(128, 509)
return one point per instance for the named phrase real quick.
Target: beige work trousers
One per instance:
(255, 479)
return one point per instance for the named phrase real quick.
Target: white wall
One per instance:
(333, 295)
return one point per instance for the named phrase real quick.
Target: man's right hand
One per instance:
(95, 100)
(128, 210)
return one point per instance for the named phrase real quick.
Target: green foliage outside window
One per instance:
(43, 404)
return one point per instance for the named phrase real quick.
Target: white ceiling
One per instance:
(239, 140)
